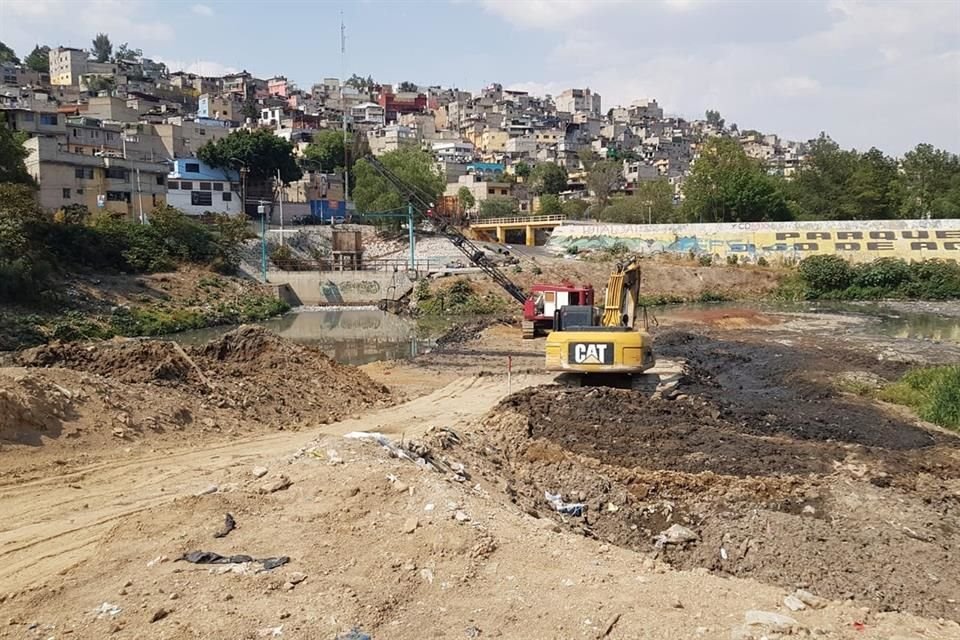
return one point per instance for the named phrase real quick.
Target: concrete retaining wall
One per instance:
(342, 287)
(859, 241)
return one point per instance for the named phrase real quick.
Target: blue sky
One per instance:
(883, 74)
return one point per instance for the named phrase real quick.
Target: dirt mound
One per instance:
(780, 479)
(248, 380)
(129, 361)
(272, 378)
(470, 331)
(31, 406)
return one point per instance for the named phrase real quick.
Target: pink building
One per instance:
(278, 86)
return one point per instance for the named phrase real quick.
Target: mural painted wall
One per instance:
(858, 241)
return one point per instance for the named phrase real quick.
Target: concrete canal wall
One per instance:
(857, 240)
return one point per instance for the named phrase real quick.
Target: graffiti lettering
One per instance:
(806, 246)
(848, 246)
(361, 286)
(916, 235)
(879, 246)
(920, 246)
(849, 235)
(948, 234)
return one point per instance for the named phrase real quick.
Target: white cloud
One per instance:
(547, 14)
(209, 68)
(75, 22)
(793, 86)
(202, 10)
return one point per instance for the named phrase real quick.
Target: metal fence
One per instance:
(390, 264)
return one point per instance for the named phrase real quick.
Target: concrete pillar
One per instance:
(501, 235)
(531, 236)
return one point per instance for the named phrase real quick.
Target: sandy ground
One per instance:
(783, 481)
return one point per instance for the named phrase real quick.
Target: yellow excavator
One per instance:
(601, 346)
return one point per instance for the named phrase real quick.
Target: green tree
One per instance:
(7, 54)
(548, 177)
(652, 201)
(603, 178)
(713, 117)
(326, 152)
(102, 48)
(374, 193)
(466, 199)
(96, 84)
(498, 208)
(819, 190)
(930, 183)
(575, 209)
(522, 170)
(550, 205)
(260, 151)
(360, 83)
(727, 186)
(125, 54)
(407, 87)
(12, 155)
(872, 190)
(39, 59)
(588, 157)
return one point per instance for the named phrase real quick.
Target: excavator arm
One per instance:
(622, 296)
(445, 226)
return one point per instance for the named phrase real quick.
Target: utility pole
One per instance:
(343, 107)
(262, 210)
(413, 237)
(280, 198)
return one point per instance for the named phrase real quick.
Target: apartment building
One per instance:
(99, 181)
(579, 101)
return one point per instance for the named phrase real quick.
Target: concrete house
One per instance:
(196, 188)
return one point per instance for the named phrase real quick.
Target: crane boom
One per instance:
(419, 200)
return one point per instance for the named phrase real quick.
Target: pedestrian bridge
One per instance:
(527, 224)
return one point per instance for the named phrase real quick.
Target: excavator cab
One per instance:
(602, 346)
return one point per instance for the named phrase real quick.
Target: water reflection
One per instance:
(350, 336)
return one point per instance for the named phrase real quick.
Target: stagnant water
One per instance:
(351, 336)
(362, 335)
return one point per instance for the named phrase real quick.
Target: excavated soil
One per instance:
(781, 478)
(121, 391)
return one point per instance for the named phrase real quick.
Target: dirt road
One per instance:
(56, 522)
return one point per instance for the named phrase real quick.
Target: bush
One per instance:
(573, 250)
(732, 259)
(826, 273)
(705, 260)
(832, 277)
(762, 262)
(460, 299)
(934, 392)
(883, 273)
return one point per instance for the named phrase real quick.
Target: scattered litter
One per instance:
(612, 508)
(334, 457)
(415, 452)
(354, 634)
(157, 560)
(461, 516)
(575, 509)
(270, 632)
(859, 626)
(211, 489)
(429, 507)
(807, 598)
(282, 482)
(794, 603)
(209, 557)
(259, 472)
(723, 553)
(107, 609)
(676, 534)
(427, 575)
(229, 524)
(770, 619)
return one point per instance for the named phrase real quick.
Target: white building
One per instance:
(579, 101)
(196, 188)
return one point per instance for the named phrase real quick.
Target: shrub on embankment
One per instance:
(458, 299)
(830, 277)
(934, 392)
(37, 247)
